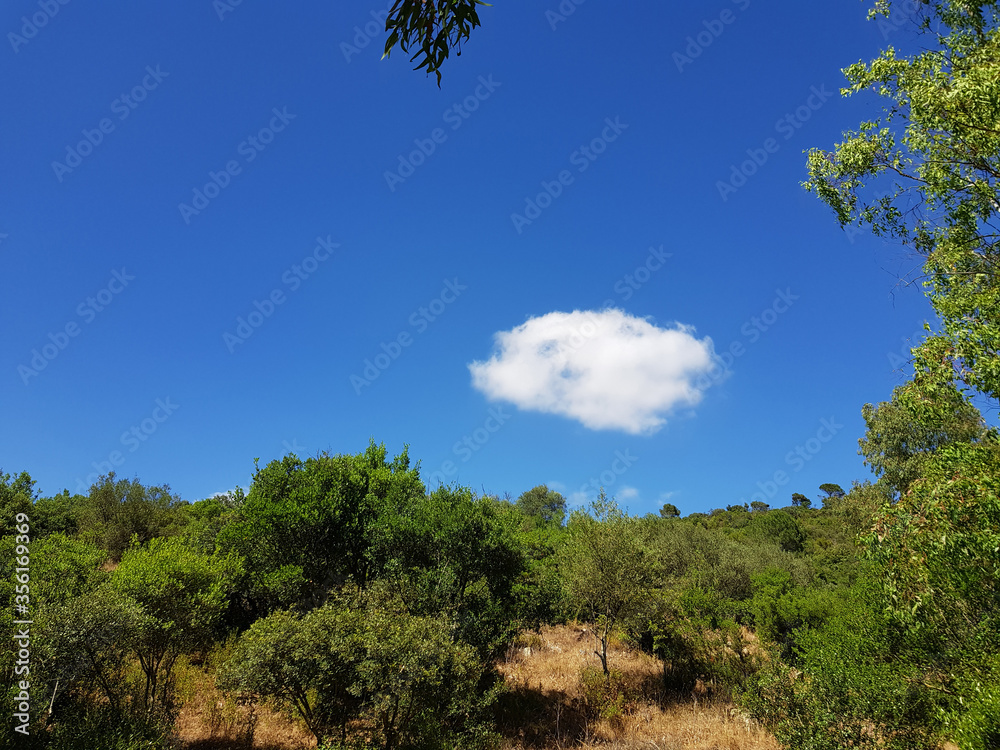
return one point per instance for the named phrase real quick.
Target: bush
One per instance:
(603, 694)
(352, 671)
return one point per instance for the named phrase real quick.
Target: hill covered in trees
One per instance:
(339, 590)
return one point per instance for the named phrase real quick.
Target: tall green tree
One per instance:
(450, 553)
(118, 509)
(669, 510)
(540, 502)
(305, 527)
(399, 680)
(906, 431)
(927, 172)
(17, 493)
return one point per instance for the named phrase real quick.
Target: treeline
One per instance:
(375, 611)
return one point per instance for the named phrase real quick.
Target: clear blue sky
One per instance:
(208, 225)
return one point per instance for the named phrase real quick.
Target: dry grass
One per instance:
(208, 720)
(550, 706)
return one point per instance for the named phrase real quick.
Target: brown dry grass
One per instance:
(547, 707)
(209, 720)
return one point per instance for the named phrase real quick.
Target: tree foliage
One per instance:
(451, 553)
(607, 567)
(117, 510)
(397, 677)
(928, 172)
(306, 527)
(546, 505)
(434, 28)
(669, 510)
(181, 595)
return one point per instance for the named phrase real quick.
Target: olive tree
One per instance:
(607, 567)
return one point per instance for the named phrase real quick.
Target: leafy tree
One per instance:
(800, 501)
(450, 553)
(305, 527)
(905, 432)
(832, 490)
(781, 610)
(863, 690)
(669, 511)
(928, 174)
(16, 496)
(780, 528)
(435, 28)
(87, 643)
(935, 155)
(205, 519)
(539, 592)
(58, 514)
(544, 504)
(832, 493)
(308, 662)
(402, 676)
(607, 567)
(759, 506)
(182, 596)
(118, 509)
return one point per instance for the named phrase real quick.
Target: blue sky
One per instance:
(231, 231)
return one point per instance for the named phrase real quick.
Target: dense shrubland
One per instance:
(376, 613)
(338, 589)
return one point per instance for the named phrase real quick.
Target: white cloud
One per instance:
(606, 369)
(627, 493)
